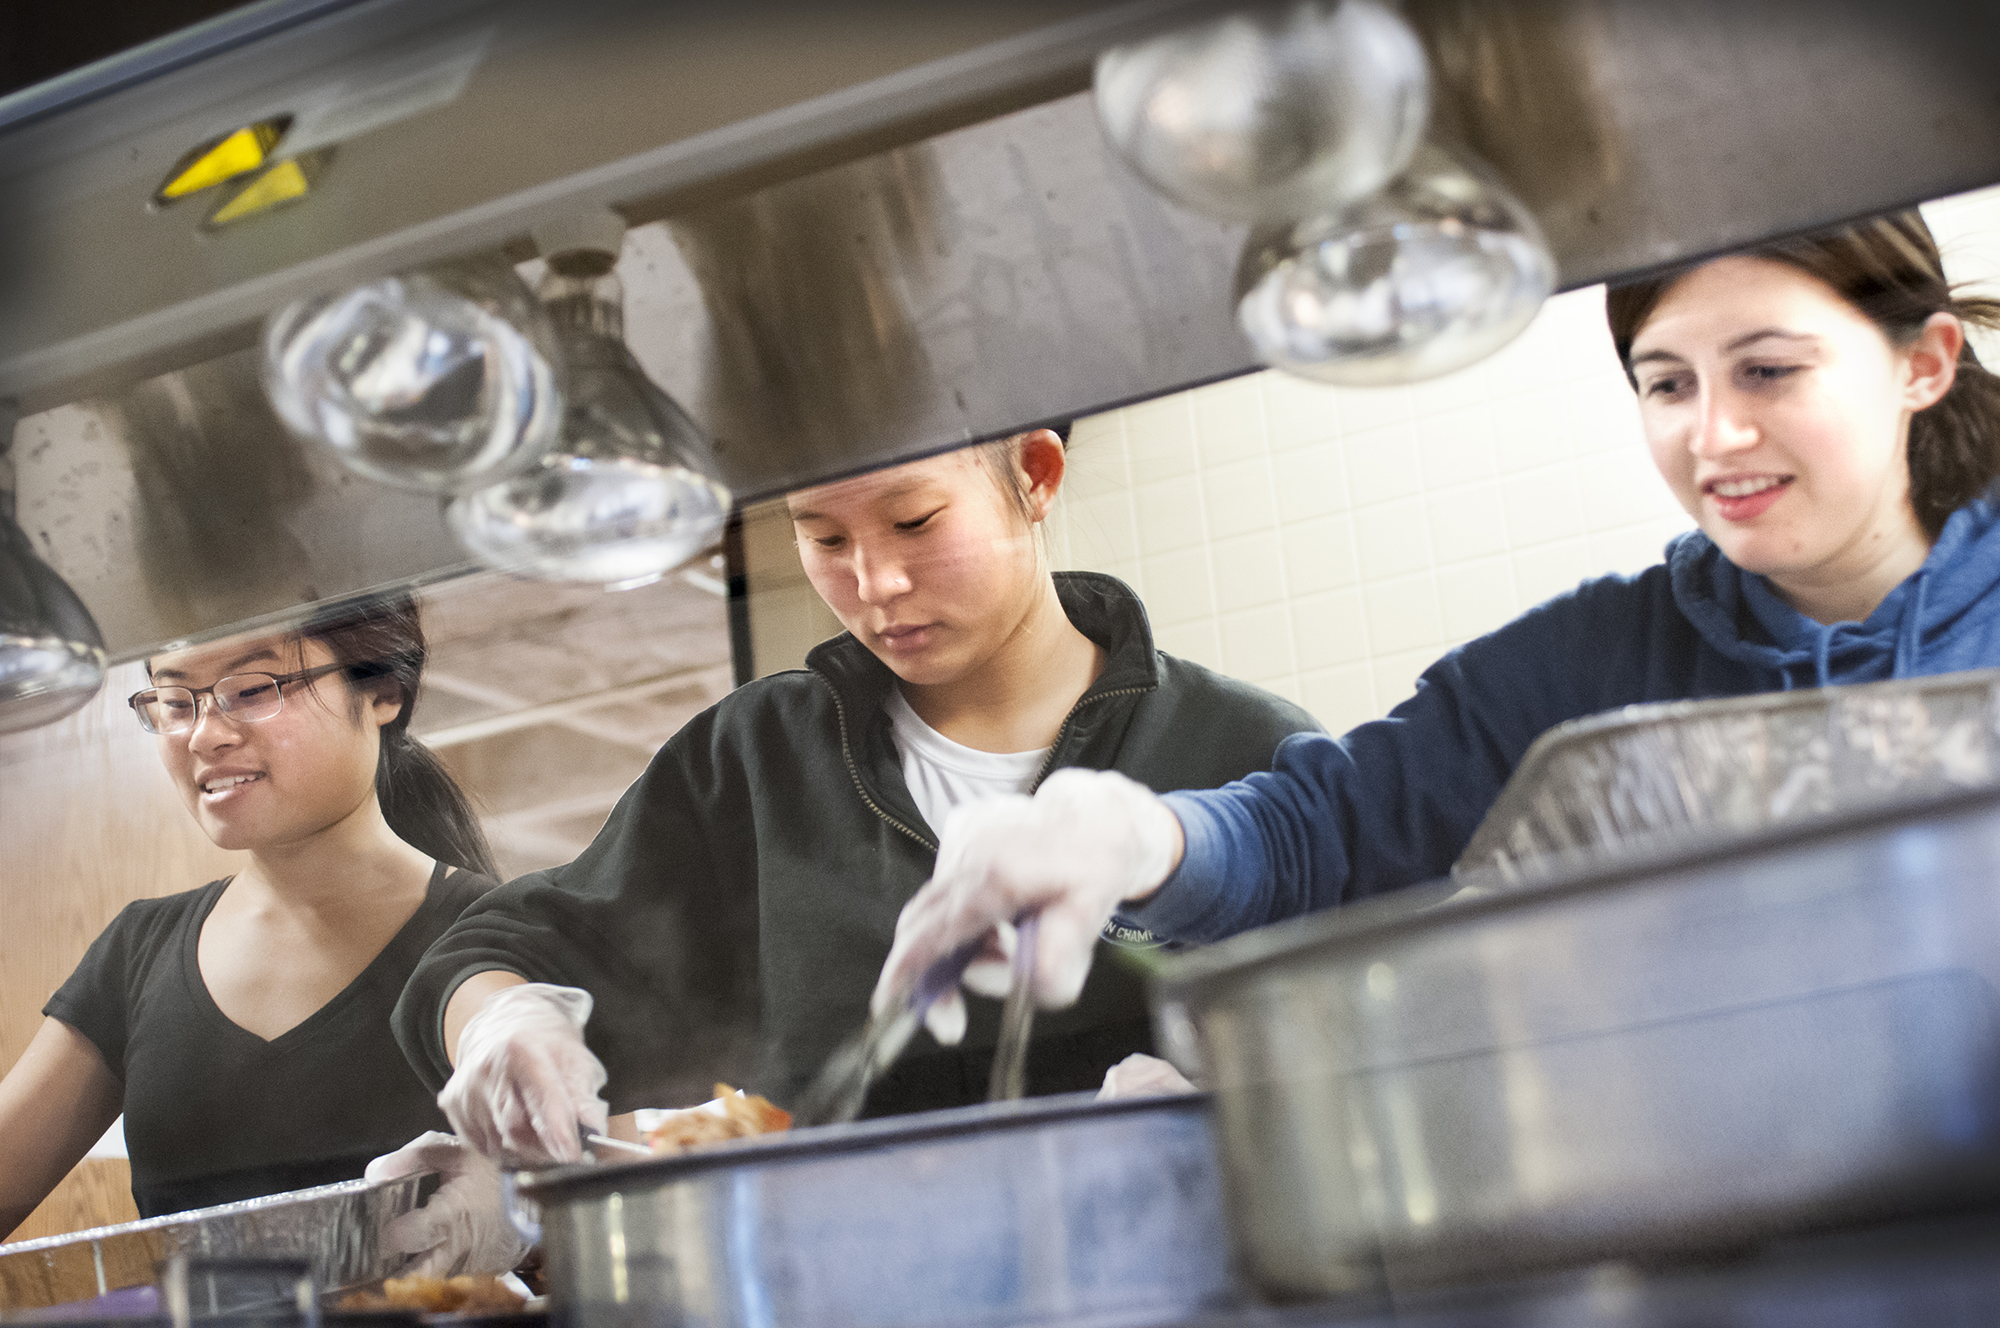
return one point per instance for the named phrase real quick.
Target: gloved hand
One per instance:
(525, 1079)
(1140, 1075)
(464, 1227)
(1087, 841)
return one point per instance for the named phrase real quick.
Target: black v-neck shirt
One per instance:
(214, 1113)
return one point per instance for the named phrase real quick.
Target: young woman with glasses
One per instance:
(243, 1028)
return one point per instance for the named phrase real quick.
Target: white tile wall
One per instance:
(1967, 227)
(1330, 543)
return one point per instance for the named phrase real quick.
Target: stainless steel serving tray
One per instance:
(1784, 1031)
(1648, 776)
(335, 1228)
(1051, 1210)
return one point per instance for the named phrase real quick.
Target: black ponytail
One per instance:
(383, 638)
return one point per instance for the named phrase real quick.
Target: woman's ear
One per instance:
(385, 700)
(1043, 461)
(1933, 361)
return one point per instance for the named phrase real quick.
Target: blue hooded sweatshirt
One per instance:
(1395, 801)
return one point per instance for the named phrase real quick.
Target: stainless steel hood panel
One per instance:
(1640, 130)
(955, 288)
(180, 508)
(995, 277)
(456, 126)
(1647, 132)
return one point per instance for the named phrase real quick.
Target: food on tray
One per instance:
(734, 1114)
(437, 1295)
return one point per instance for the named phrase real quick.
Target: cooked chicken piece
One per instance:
(733, 1114)
(437, 1295)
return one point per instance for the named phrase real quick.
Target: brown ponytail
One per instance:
(383, 637)
(1888, 268)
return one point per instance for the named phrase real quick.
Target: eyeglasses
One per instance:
(241, 696)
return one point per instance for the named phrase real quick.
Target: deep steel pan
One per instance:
(1794, 1030)
(1051, 1210)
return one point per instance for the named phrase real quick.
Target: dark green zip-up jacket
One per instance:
(733, 914)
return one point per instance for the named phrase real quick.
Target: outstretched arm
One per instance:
(1389, 805)
(56, 1102)
(646, 921)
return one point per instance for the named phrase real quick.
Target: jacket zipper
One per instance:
(847, 754)
(1048, 762)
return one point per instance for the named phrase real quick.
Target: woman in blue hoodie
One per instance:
(1812, 403)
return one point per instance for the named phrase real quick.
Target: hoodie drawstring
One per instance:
(1910, 639)
(1822, 651)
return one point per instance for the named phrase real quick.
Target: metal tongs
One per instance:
(841, 1087)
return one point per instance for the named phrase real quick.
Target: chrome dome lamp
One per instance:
(51, 653)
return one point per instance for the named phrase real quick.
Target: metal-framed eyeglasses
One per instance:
(241, 696)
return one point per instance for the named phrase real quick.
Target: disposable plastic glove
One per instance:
(1140, 1075)
(1087, 841)
(464, 1227)
(525, 1079)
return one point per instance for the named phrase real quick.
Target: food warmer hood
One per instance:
(885, 229)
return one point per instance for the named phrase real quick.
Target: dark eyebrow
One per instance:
(264, 652)
(1749, 338)
(1739, 343)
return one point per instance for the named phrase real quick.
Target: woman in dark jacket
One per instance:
(730, 918)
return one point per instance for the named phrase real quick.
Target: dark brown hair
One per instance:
(382, 638)
(1888, 268)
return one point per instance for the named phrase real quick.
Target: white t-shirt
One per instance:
(943, 774)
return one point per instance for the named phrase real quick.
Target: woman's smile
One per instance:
(1741, 498)
(227, 784)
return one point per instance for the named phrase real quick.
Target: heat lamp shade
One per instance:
(1441, 269)
(51, 653)
(1270, 114)
(443, 380)
(627, 495)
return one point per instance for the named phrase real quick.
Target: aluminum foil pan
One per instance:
(335, 1228)
(1056, 1210)
(1649, 776)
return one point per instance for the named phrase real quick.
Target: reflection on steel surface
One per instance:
(952, 289)
(182, 507)
(335, 1228)
(1054, 1210)
(1652, 775)
(1674, 1055)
